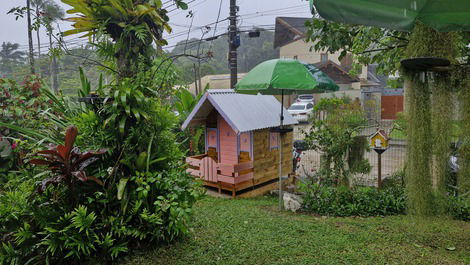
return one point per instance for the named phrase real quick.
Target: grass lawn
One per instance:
(252, 231)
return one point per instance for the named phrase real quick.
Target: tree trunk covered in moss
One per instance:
(463, 180)
(442, 128)
(428, 127)
(418, 170)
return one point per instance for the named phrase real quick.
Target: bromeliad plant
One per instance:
(67, 163)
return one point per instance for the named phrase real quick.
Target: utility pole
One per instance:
(234, 42)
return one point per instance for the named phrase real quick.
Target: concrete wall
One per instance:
(215, 82)
(301, 50)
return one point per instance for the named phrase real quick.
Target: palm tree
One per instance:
(9, 54)
(51, 12)
(30, 36)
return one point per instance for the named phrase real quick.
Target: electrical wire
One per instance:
(216, 23)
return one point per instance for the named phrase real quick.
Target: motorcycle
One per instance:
(298, 148)
(453, 164)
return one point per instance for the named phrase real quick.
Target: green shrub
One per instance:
(144, 194)
(459, 208)
(359, 201)
(336, 138)
(153, 207)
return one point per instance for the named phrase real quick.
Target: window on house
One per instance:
(273, 140)
(324, 57)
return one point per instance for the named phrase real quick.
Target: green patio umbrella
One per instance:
(402, 15)
(284, 77)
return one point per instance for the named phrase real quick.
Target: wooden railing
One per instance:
(204, 167)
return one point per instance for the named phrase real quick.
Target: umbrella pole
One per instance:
(280, 152)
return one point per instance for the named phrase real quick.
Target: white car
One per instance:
(305, 98)
(301, 111)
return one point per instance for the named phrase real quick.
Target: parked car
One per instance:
(301, 111)
(305, 98)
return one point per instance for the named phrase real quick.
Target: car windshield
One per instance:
(305, 97)
(297, 107)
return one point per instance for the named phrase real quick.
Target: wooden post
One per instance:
(379, 168)
(233, 191)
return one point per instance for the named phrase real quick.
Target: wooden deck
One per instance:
(229, 177)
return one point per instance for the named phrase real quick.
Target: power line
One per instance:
(273, 10)
(216, 23)
(186, 3)
(287, 10)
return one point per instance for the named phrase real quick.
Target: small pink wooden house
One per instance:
(241, 153)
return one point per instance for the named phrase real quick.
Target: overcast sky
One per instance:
(252, 13)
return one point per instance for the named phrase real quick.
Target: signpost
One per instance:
(379, 141)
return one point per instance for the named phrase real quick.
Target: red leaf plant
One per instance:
(67, 162)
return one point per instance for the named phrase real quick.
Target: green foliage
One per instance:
(400, 124)
(459, 208)
(146, 194)
(185, 102)
(359, 201)
(133, 26)
(370, 45)
(335, 138)
(192, 138)
(24, 108)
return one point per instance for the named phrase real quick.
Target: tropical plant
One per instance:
(185, 102)
(128, 23)
(335, 138)
(67, 163)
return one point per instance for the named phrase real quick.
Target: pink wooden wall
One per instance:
(228, 153)
(212, 137)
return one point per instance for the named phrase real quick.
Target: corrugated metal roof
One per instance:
(243, 112)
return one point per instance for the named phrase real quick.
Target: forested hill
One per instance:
(251, 52)
(13, 62)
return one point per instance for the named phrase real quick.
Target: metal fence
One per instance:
(392, 160)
